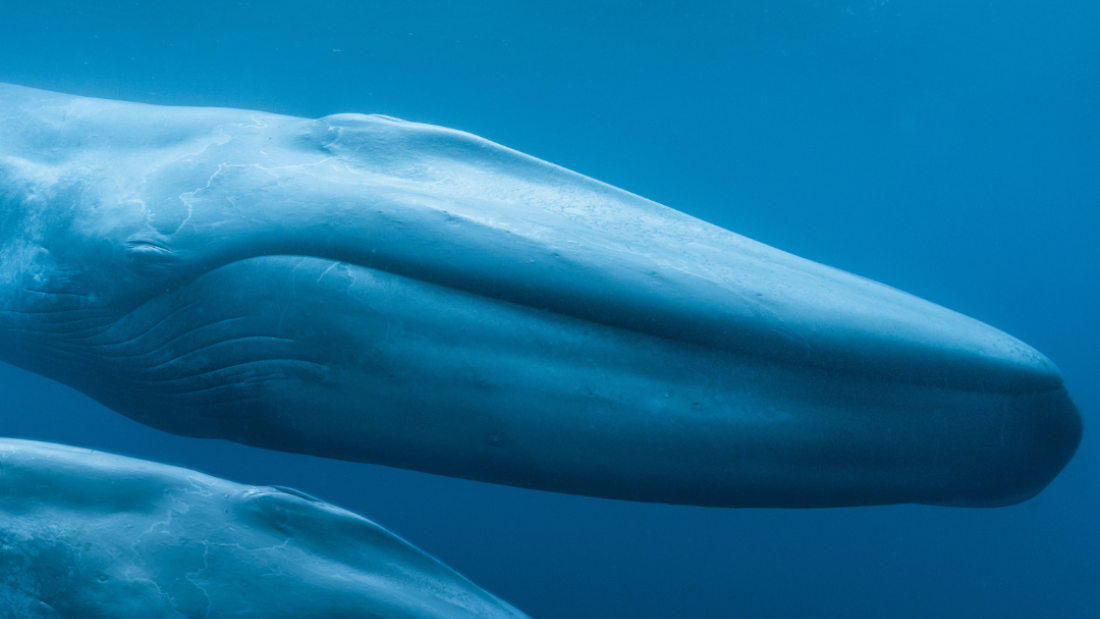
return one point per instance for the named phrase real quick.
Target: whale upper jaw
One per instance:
(133, 218)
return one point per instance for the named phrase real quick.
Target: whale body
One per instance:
(93, 535)
(363, 288)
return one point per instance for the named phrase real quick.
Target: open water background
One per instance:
(950, 148)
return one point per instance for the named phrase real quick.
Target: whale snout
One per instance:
(1039, 435)
(892, 392)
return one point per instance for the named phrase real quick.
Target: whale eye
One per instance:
(147, 255)
(297, 493)
(146, 247)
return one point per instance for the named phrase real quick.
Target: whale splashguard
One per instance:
(368, 289)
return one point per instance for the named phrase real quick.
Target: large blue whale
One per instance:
(364, 288)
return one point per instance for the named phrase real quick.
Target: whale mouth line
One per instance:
(93, 327)
(112, 337)
(816, 357)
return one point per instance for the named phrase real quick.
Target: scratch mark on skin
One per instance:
(192, 575)
(322, 276)
(282, 291)
(188, 196)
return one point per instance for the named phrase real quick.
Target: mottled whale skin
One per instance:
(364, 288)
(91, 535)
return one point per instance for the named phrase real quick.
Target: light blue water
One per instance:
(951, 149)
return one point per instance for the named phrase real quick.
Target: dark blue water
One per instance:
(950, 148)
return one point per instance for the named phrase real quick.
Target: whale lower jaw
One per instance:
(332, 359)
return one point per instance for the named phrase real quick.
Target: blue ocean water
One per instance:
(950, 149)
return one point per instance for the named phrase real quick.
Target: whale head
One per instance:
(364, 288)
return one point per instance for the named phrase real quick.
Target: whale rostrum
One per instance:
(368, 289)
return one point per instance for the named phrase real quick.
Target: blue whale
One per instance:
(368, 289)
(98, 536)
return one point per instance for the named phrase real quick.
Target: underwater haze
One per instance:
(948, 149)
